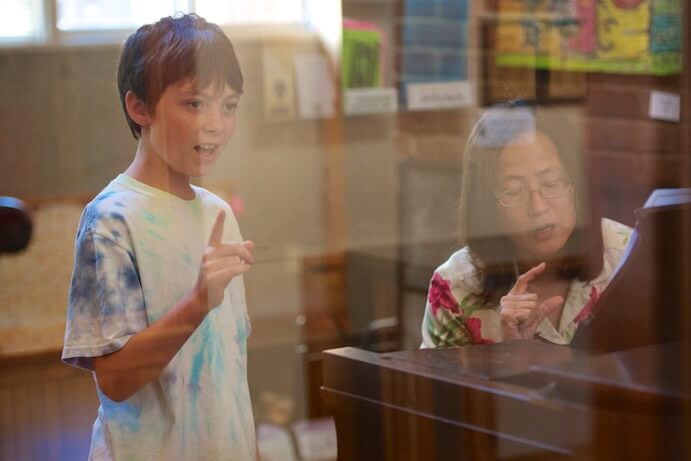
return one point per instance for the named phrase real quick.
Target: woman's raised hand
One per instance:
(520, 312)
(220, 263)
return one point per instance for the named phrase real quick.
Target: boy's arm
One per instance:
(141, 360)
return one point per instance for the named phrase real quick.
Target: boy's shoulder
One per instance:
(110, 197)
(106, 214)
(209, 198)
(213, 202)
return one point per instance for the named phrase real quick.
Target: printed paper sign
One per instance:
(279, 95)
(665, 106)
(439, 95)
(315, 86)
(370, 100)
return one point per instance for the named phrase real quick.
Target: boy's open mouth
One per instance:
(206, 150)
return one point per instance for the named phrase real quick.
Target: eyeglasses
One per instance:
(519, 196)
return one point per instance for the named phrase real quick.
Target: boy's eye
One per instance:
(230, 106)
(194, 104)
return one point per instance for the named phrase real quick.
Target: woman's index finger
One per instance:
(521, 285)
(217, 231)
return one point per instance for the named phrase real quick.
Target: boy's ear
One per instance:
(136, 109)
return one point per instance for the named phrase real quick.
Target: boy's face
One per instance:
(190, 126)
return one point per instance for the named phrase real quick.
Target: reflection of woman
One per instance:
(527, 269)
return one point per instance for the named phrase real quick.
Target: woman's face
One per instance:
(541, 226)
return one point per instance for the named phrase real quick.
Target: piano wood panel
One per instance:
(442, 404)
(447, 405)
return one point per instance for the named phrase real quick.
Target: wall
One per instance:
(62, 134)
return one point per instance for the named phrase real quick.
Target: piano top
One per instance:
(655, 370)
(489, 361)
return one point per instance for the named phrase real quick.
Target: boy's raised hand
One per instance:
(220, 263)
(520, 312)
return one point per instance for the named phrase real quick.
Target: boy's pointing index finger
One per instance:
(217, 231)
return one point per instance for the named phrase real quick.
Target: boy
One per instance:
(157, 305)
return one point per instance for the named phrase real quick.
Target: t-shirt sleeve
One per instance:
(448, 319)
(106, 303)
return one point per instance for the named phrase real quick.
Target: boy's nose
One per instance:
(212, 123)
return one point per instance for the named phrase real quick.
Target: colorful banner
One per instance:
(618, 36)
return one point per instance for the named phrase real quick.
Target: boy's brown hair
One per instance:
(174, 49)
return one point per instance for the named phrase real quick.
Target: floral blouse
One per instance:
(455, 316)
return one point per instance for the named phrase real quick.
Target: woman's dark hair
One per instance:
(492, 251)
(173, 49)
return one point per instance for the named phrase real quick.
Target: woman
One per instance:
(533, 265)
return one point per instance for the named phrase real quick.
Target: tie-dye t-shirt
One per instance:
(138, 252)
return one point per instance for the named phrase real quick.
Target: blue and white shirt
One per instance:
(138, 252)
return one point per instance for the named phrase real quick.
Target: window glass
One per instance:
(75, 15)
(255, 12)
(21, 20)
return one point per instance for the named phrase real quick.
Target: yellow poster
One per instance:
(622, 36)
(623, 28)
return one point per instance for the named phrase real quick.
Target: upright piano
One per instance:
(620, 391)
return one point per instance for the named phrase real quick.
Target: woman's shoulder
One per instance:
(460, 270)
(454, 314)
(615, 238)
(615, 235)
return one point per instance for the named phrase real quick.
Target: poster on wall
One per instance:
(362, 70)
(434, 55)
(617, 36)
(278, 84)
(314, 84)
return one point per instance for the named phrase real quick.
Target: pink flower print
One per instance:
(474, 327)
(587, 310)
(440, 295)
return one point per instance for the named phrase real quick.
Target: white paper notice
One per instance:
(439, 95)
(279, 86)
(370, 100)
(314, 85)
(665, 106)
